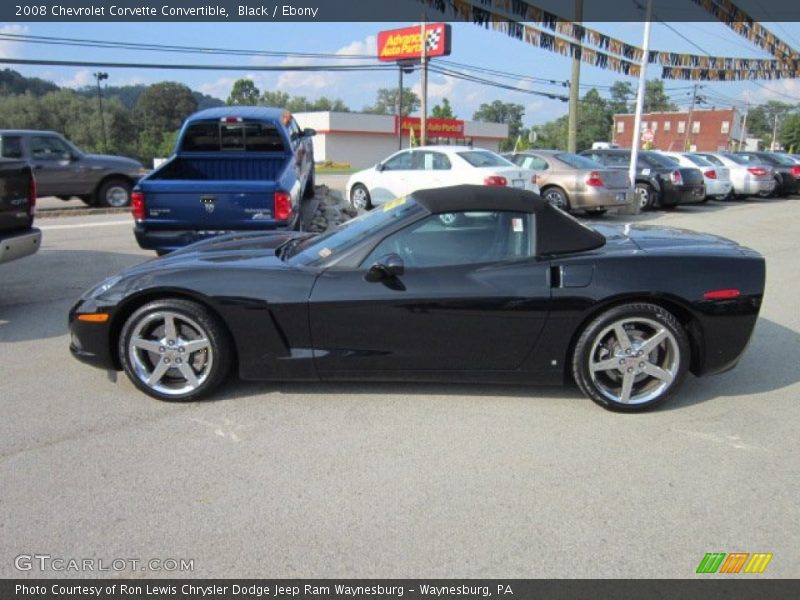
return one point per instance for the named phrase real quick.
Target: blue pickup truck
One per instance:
(235, 168)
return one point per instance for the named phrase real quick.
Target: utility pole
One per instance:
(400, 108)
(637, 118)
(744, 126)
(774, 133)
(688, 138)
(574, 88)
(423, 134)
(100, 77)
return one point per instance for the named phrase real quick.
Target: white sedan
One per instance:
(433, 167)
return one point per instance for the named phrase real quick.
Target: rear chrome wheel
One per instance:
(174, 350)
(359, 197)
(557, 198)
(645, 196)
(631, 357)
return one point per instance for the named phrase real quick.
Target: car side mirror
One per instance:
(308, 132)
(379, 167)
(387, 267)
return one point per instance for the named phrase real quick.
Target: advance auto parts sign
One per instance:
(401, 44)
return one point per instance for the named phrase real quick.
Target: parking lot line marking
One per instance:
(79, 225)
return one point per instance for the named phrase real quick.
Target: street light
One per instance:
(99, 76)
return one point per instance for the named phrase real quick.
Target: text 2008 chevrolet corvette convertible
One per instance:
(467, 283)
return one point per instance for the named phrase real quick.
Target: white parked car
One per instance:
(716, 177)
(746, 179)
(432, 167)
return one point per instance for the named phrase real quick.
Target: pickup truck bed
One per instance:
(234, 169)
(18, 237)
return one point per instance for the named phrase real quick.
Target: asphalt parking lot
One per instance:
(374, 480)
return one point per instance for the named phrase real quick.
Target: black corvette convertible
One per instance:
(467, 283)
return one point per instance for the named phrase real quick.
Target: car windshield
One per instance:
(673, 159)
(713, 160)
(659, 160)
(578, 162)
(781, 160)
(741, 159)
(699, 160)
(483, 158)
(333, 243)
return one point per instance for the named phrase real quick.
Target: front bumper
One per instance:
(19, 245)
(90, 342)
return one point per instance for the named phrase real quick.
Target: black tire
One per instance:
(308, 191)
(598, 343)
(646, 196)
(162, 252)
(114, 193)
(88, 200)
(557, 197)
(190, 318)
(355, 197)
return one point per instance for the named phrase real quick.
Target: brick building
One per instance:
(710, 130)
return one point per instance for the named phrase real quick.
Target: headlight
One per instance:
(102, 287)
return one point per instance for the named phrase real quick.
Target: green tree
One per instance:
(386, 102)
(244, 93)
(324, 103)
(160, 110)
(790, 133)
(277, 99)
(594, 120)
(298, 104)
(622, 95)
(503, 112)
(655, 98)
(443, 110)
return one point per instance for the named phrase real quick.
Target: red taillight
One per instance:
(725, 294)
(495, 180)
(757, 171)
(283, 206)
(595, 180)
(676, 177)
(231, 119)
(138, 206)
(712, 174)
(32, 195)
(796, 171)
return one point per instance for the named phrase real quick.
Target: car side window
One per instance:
(11, 146)
(48, 148)
(399, 162)
(430, 161)
(460, 238)
(535, 163)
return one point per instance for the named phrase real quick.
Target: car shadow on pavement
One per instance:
(39, 290)
(768, 364)
(763, 368)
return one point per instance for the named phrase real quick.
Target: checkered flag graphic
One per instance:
(432, 41)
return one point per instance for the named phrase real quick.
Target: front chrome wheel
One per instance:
(359, 197)
(170, 353)
(634, 360)
(175, 349)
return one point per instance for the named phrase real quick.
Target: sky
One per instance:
(471, 44)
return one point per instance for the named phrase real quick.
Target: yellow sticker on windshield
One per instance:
(394, 203)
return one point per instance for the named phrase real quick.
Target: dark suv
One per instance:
(659, 181)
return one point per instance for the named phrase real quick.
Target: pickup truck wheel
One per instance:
(174, 349)
(114, 193)
(308, 191)
(359, 197)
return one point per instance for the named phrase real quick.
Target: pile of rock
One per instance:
(326, 210)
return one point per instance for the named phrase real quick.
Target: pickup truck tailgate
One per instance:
(208, 205)
(15, 211)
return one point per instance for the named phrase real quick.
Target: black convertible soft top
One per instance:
(556, 231)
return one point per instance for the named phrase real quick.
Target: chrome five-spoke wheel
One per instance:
(634, 360)
(631, 357)
(174, 349)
